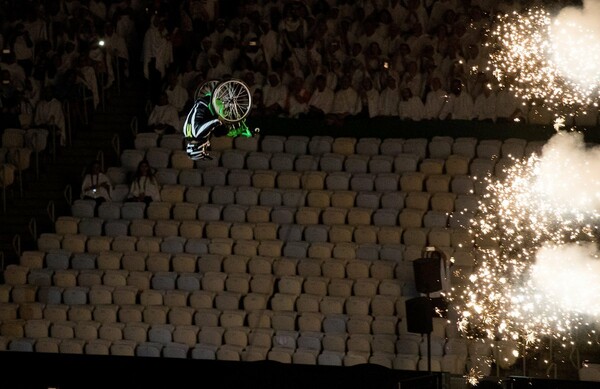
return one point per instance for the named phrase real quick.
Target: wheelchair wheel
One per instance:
(232, 100)
(207, 87)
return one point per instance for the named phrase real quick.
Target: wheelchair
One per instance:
(230, 101)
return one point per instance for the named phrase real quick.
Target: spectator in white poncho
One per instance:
(49, 112)
(459, 105)
(164, 117)
(275, 95)
(389, 97)
(435, 99)
(370, 98)
(410, 107)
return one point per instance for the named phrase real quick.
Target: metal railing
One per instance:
(100, 158)
(68, 194)
(19, 170)
(68, 124)
(134, 126)
(16, 244)
(51, 211)
(32, 226)
(116, 144)
(5, 184)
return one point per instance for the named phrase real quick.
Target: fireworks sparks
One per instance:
(537, 273)
(546, 60)
(536, 231)
(473, 376)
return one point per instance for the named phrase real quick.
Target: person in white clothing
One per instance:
(178, 96)
(297, 103)
(230, 52)
(23, 48)
(410, 107)
(125, 27)
(49, 112)
(390, 96)
(144, 186)
(275, 95)
(485, 105)
(413, 79)
(435, 99)
(321, 99)
(370, 98)
(510, 108)
(116, 46)
(346, 101)
(157, 49)
(217, 68)
(96, 185)
(157, 55)
(35, 24)
(17, 72)
(205, 51)
(219, 33)
(98, 9)
(269, 42)
(459, 105)
(164, 117)
(86, 76)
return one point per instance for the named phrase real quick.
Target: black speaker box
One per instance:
(427, 273)
(418, 315)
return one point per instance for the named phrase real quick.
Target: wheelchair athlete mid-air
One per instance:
(216, 104)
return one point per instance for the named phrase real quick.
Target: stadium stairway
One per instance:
(48, 190)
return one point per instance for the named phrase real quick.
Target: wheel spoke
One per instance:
(235, 100)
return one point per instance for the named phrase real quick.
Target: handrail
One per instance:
(68, 193)
(102, 88)
(117, 66)
(134, 125)
(83, 90)
(100, 157)
(16, 243)
(34, 141)
(575, 350)
(116, 144)
(68, 125)
(4, 185)
(19, 170)
(33, 228)
(53, 138)
(51, 211)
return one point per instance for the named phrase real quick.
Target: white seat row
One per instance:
(329, 314)
(431, 178)
(390, 227)
(412, 237)
(232, 352)
(255, 199)
(393, 262)
(117, 218)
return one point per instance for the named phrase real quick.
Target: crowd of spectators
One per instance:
(336, 59)
(330, 59)
(61, 52)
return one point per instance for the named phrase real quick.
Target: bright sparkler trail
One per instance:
(538, 274)
(547, 60)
